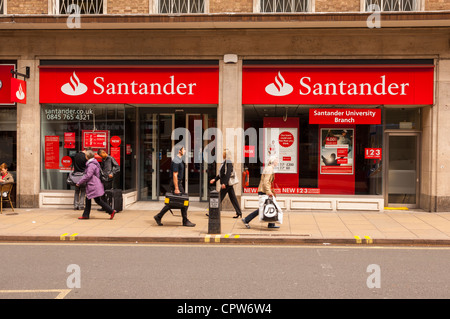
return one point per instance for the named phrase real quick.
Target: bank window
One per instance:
(68, 129)
(181, 6)
(304, 152)
(403, 118)
(282, 6)
(392, 5)
(79, 6)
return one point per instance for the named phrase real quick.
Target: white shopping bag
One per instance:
(268, 211)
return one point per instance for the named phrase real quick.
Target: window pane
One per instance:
(284, 6)
(81, 6)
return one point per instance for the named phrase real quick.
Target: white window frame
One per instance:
(154, 7)
(420, 6)
(53, 7)
(257, 7)
(5, 6)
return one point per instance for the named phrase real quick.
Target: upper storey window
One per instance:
(79, 6)
(392, 5)
(284, 6)
(181, 6)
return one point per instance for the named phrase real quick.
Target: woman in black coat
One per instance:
(224, 176)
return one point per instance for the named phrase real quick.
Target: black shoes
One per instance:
(188, 224)
(158, 220)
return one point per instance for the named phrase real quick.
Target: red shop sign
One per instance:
(344, 116)
(372, 153)
(5, 83)
(313, 85)
(143, 84)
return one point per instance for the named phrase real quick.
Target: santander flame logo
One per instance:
(280, 87)
(20, 94)
(74, 87)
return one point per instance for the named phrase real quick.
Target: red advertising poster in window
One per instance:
(69, 139)
(281, 142)
(336, 151)
(95, 139)
(336, 160)
(51, 156)
(115, 153)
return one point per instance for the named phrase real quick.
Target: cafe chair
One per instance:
(5, 195)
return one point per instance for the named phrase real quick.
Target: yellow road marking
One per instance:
(217, 240)
(72, 237)
(358, 239)
(207, 238)
(63, 236)
(61, 292)
(368, 240)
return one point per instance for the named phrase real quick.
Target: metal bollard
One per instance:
(214, 213)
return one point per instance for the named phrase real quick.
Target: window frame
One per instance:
(4, 6)
(420, 6)
(54, 8)
(154, 8)
(257, 7)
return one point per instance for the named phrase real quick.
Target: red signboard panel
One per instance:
(18, 91)
(338, 85)
(345, 116)
(5, 84)
(158, 85)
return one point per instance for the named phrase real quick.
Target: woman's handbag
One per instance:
(74, 178)
(233, 179)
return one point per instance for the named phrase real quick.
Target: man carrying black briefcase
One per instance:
(176, 187)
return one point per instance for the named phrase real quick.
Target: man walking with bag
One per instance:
(176, 186)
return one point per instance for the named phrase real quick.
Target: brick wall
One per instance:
(218, 6)
(338, 5)
(215, 6)
(27, 6)
(431, 5)
(128, 7)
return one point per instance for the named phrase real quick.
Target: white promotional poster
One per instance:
(336, 151)
(282, 144)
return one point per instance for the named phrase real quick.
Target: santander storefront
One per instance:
(130, 111)
(330, 126)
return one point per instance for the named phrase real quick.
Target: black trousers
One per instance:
(166, 208)
(252, 215)
(230, 191)
(99, 201)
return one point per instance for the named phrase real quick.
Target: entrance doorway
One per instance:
(156, 145)
(402, 160)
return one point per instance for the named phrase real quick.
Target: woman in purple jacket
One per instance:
(94, 186)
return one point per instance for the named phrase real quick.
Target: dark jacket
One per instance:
(225, 172)
(109, 166)
(79, 162)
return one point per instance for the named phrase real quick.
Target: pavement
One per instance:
(136, 225)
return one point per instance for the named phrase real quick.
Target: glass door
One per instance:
(166, 124)
(197, 168)
(148, 160)
(402, 183)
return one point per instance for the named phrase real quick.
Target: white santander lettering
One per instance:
(307, 86)
(134, 88)
(99, 85)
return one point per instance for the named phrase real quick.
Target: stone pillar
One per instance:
(230, 120)
(441, 134)
(28, 139)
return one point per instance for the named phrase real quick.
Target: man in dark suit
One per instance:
(176, 186)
